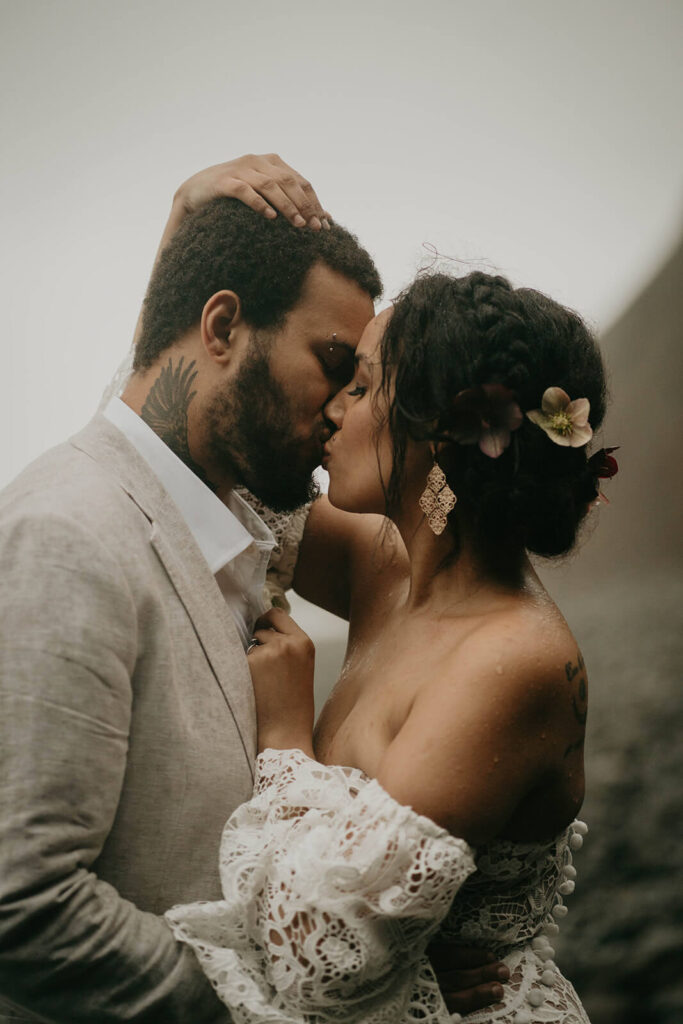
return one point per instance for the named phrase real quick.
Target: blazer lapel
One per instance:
(187, 570)
(214, 626)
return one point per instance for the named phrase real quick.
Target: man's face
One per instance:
(270, 427)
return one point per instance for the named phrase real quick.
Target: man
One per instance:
(130, 576)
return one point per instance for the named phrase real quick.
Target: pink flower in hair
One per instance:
(486, 416)
(565, 422)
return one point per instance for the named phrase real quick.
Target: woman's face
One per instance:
(359, 455)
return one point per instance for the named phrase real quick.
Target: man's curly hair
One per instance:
(227, 245)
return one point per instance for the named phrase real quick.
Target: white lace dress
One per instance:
(332, 891)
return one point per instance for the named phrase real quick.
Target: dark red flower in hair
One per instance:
(603, 465)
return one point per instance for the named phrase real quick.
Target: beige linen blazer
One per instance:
(127, 737)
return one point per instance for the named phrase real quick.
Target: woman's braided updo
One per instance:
(449, 334)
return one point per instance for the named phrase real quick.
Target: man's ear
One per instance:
(221, 322)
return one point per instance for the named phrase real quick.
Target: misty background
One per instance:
(535, 138)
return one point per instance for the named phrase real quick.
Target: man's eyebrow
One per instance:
(334, 340)
(346, 348)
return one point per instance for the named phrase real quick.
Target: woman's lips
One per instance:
(327, 453)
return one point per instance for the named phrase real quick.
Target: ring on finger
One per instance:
(254, 642)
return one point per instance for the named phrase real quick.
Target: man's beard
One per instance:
(250, 433)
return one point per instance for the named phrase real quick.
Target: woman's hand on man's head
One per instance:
(264, 183)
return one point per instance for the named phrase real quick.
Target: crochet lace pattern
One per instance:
(332, 891)
(287, 529)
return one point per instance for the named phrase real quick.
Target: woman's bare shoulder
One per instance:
(526, 641)
(491, 725)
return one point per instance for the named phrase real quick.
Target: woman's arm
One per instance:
(339, 555)
(282, 675)
(478, 737)
(331, 892)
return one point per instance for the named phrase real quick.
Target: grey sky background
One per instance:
(542, 138)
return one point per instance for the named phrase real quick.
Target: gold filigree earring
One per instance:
(437, 499)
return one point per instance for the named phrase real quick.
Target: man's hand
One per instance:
(265, 183)
(468, 978)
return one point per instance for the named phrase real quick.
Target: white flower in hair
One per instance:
(565, 422)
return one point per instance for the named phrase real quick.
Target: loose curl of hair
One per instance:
(227, 245)
(447, 334)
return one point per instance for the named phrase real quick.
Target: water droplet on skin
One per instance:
(499, 670)
(542, 735)
(496, 759)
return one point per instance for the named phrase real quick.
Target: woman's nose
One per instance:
(334, 410)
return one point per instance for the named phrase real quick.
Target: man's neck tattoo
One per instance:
(165, 411)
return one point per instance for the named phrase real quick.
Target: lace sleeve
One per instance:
(287, 529)
(332, 891)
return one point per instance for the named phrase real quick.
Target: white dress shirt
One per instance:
(235, 542)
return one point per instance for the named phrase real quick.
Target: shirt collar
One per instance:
(222, 530)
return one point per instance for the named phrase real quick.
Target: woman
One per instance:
(459, 715)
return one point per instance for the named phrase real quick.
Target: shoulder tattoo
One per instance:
(576, 675)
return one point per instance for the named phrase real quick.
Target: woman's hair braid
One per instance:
(450, 334)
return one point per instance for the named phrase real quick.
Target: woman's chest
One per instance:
(383, 674)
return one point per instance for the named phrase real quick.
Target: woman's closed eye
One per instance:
(357, 391)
